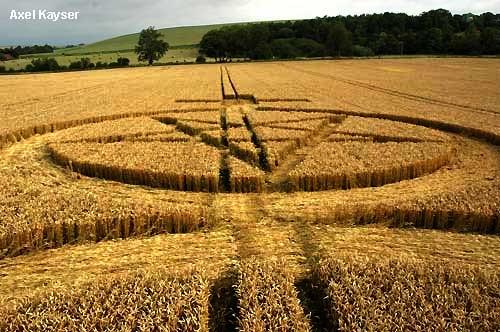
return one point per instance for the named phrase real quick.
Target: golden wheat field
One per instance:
(350, 195)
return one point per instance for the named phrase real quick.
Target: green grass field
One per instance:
(180, 36)
(183, 48)
(174, 55)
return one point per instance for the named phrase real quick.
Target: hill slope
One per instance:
(179, 36)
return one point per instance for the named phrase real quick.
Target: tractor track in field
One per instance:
(396, 93)
(257, 237)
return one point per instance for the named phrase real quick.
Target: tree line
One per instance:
(51, 65)
(15, 52)
(150, 47)
(432, 32)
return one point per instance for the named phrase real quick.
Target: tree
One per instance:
(468, 42)
(45, 64)
(214, 45)
(283, 49)
(358, 50)
(434, 41)
(285, 33)
(308, 47)
(339, 40)
(433, 32)
(387, 43)
(262, 51)
(124, 62)
(258, 34)
(490, 41)
(83, 63)
(150, 46)
(201, 59)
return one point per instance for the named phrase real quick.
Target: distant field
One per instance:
(182, 40)
(174, 55)
(180, 36)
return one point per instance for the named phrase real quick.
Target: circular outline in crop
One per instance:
(368, 178)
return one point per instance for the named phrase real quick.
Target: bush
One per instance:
(358, 50)
(114, 65)
(2, 69)
(100, 64)
(201, 59)
(124, 62)
(75, 65)
(45, 64)
(83, 63)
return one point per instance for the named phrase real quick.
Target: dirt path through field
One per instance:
(259, 237)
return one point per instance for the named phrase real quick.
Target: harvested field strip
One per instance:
(179, 166)
(363, 164)
(391, 294)
(160, 302)
(244, 178)
(268, 300)
(493, 138)
(6, 139)
(393, 92)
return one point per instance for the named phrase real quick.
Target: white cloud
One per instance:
(101, 19)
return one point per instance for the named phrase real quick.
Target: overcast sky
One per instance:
(100, 19)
